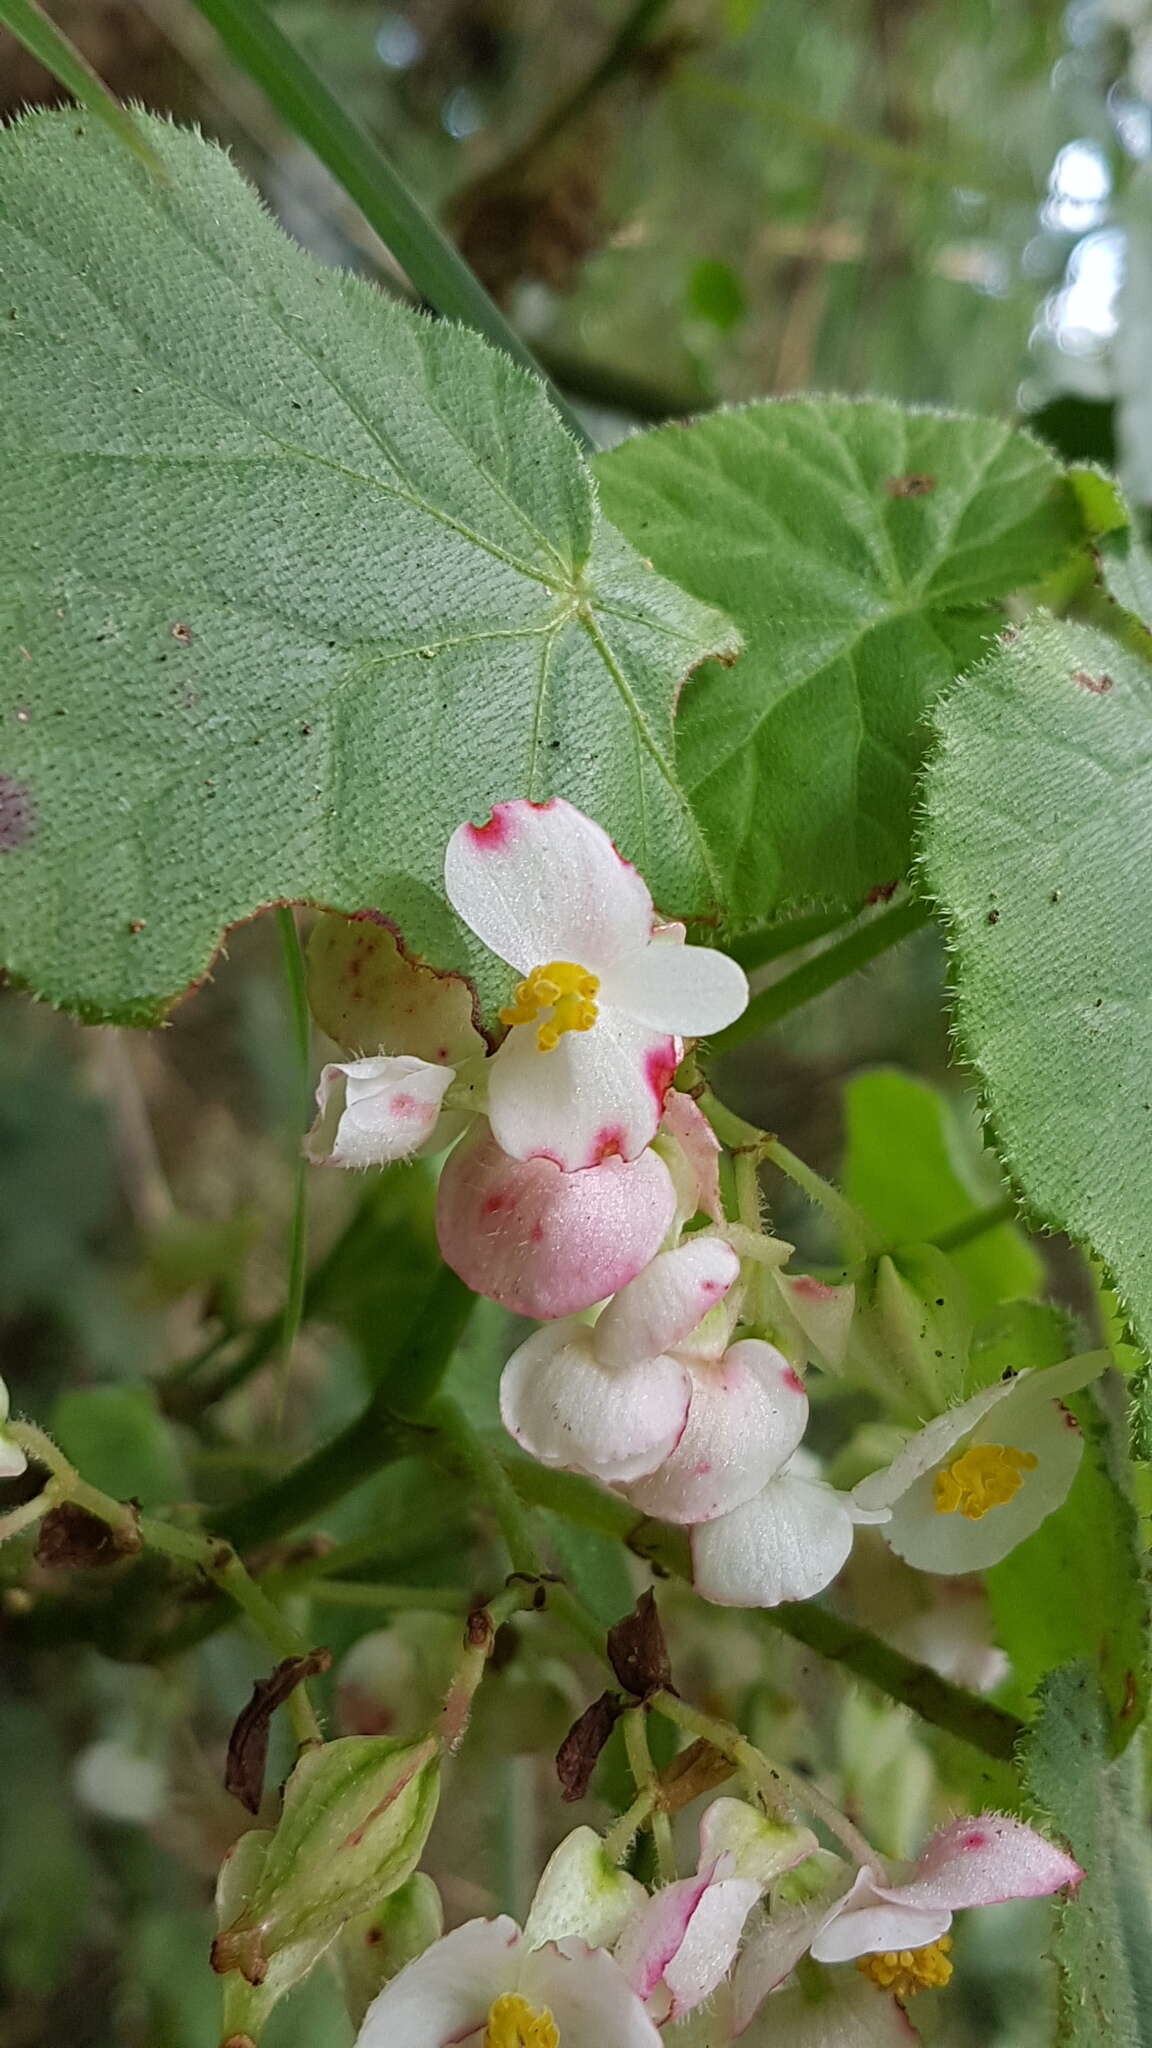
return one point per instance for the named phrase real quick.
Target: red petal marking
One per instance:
(536, 1234)
(660, 1067)
(496, 834)
(1070, 1421)
(791, 1378)
(493, 1203)
(406, 1105)
(610, 1143)
(975, 1840)
(810, 1289)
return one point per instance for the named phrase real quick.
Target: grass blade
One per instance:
(51, 47)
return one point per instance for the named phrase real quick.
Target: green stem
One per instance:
(977, 1225)
(771, 942)
(390, 1427)
(393, 1599)
(467, 1448)
(623, 1832)
(30, 25)
(858, 1233)
(438, 273)
(775, 1781)
(936, 1700)
(822, 972)
(644, 1773)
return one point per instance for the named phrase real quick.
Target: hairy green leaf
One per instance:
(862, 550)
(291, 581)
(1037, 844)
(1103, 1934)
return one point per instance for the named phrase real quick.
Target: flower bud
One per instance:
(759, 1848)
(582, 1893)
(912, 1332)
(375, 1946)
(246, 2006)
(356, 1817)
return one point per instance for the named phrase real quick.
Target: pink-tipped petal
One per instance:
(711, 1939)
(542, 882)
(687, 990)
(596, 1095)
(546, 1243)
(374, 1111)
(587, 1994)
(447, 1993)
(664, 1305)
(563, 1406)
(654, 1934)
(823, 1313)
(747, 1416)
(983, 1861)
(787, 1543)
(689, 1129)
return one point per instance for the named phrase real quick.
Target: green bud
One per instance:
(356, 1817)
(374, 1947)
(911, 1332)
(247, 2006)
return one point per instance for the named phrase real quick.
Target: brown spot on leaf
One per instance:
(135, 924)
(248, 1743)
(638, 1652)
(916, 485)
(1097, 686)
(993, 917)
(882, 892)
(72, 1540)
(181, 633)
(17, 814)
(577, 1755)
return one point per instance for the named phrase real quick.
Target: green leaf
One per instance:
(716, 294)
(1074, 1592)
(293, 580)
(908, 1167)
(1102, 1936)
(863, 551)
(120, 1442)
(1036, 843)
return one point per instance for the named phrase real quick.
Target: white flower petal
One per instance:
(567, 1409)
(982, 1861)
(747, 1416)
(446, 1994)
(542, 882)
(587, 1994)
(865, 1923)
(597, 1094)
(754, 1846)
(693, 1138)
(546, 1243)
(582, 1893)
(709, 1944)
(772, 1953)
(688, 990)
(928, 1447)
(822, 1312)
(12, 1459)
(933, 1542)
(383, 1109)
(787, 1543)
(666, 1302)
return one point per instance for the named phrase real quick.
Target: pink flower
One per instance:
(547, 1243)
(597, 1022)
(374, 1111)
(981, 1861)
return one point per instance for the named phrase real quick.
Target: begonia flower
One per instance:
(582, 1892)
(681, 1943)
(691, 1150)
(485, 1986)
(611, 1399)
(546, 1243)
(787, 1542)
(374, 1111)
(810, 1319)
(596, 1027)
(847, 2013)
(975, 1481)
(897, 1931)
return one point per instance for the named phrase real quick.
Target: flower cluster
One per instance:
(584, 1192)
(599, 1959)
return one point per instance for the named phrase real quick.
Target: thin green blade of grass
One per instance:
(51, 47)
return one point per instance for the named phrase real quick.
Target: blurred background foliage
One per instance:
(678, 205)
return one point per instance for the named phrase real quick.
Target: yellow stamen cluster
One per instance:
(984, 1476)
(565, 989)
(907, 1970)
(513, 2023)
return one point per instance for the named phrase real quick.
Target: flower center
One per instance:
(984, 1476)
(513, 2023)
(566, 991)
(906, 1970)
